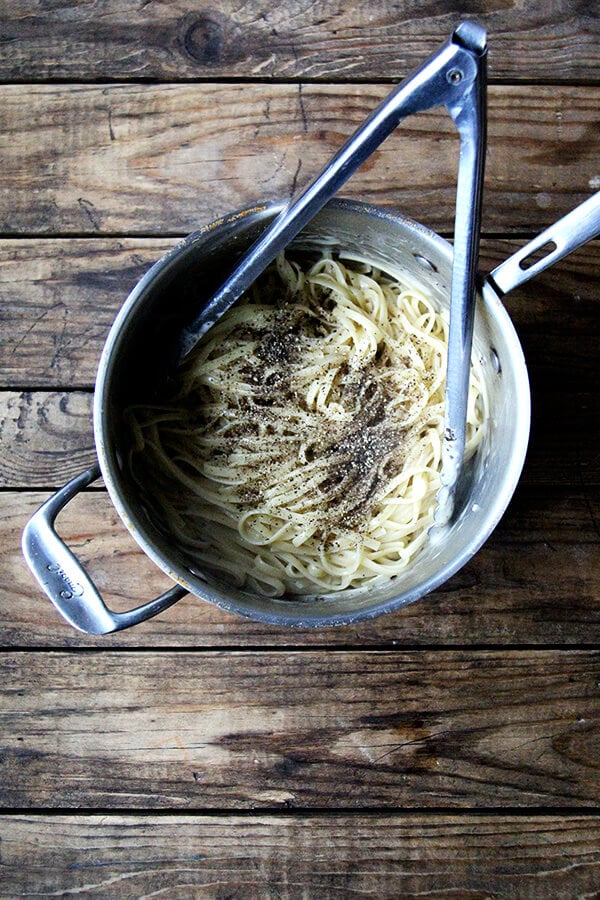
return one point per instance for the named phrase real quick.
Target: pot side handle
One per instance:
(63, 578)
(558, 240)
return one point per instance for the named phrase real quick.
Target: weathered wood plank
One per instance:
(385, 856)
(535, 582)
(295, 38)
(59, 297)
(563, 431)
(305, 729)
(44, 436)
(168, 158)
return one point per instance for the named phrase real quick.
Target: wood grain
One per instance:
(401, 757)
(58, 299)
(279, 729)
(160, 159)
(385, 856)
(535, 582)
(295, 38)
(44, 436)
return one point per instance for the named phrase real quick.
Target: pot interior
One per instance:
(136, 359)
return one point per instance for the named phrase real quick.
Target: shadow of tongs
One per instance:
(454, 77)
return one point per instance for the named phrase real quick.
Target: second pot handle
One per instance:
(568, 234)
(66, 582)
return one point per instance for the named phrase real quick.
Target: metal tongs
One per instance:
(454, 77)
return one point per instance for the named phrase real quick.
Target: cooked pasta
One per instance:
(300, 451)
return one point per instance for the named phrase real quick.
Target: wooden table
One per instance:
(452, 746)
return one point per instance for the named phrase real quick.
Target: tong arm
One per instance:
(447, 79)
(469, 115)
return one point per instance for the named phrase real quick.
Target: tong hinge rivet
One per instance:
(454, 76)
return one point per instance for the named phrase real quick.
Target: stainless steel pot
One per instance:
(151, 320)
